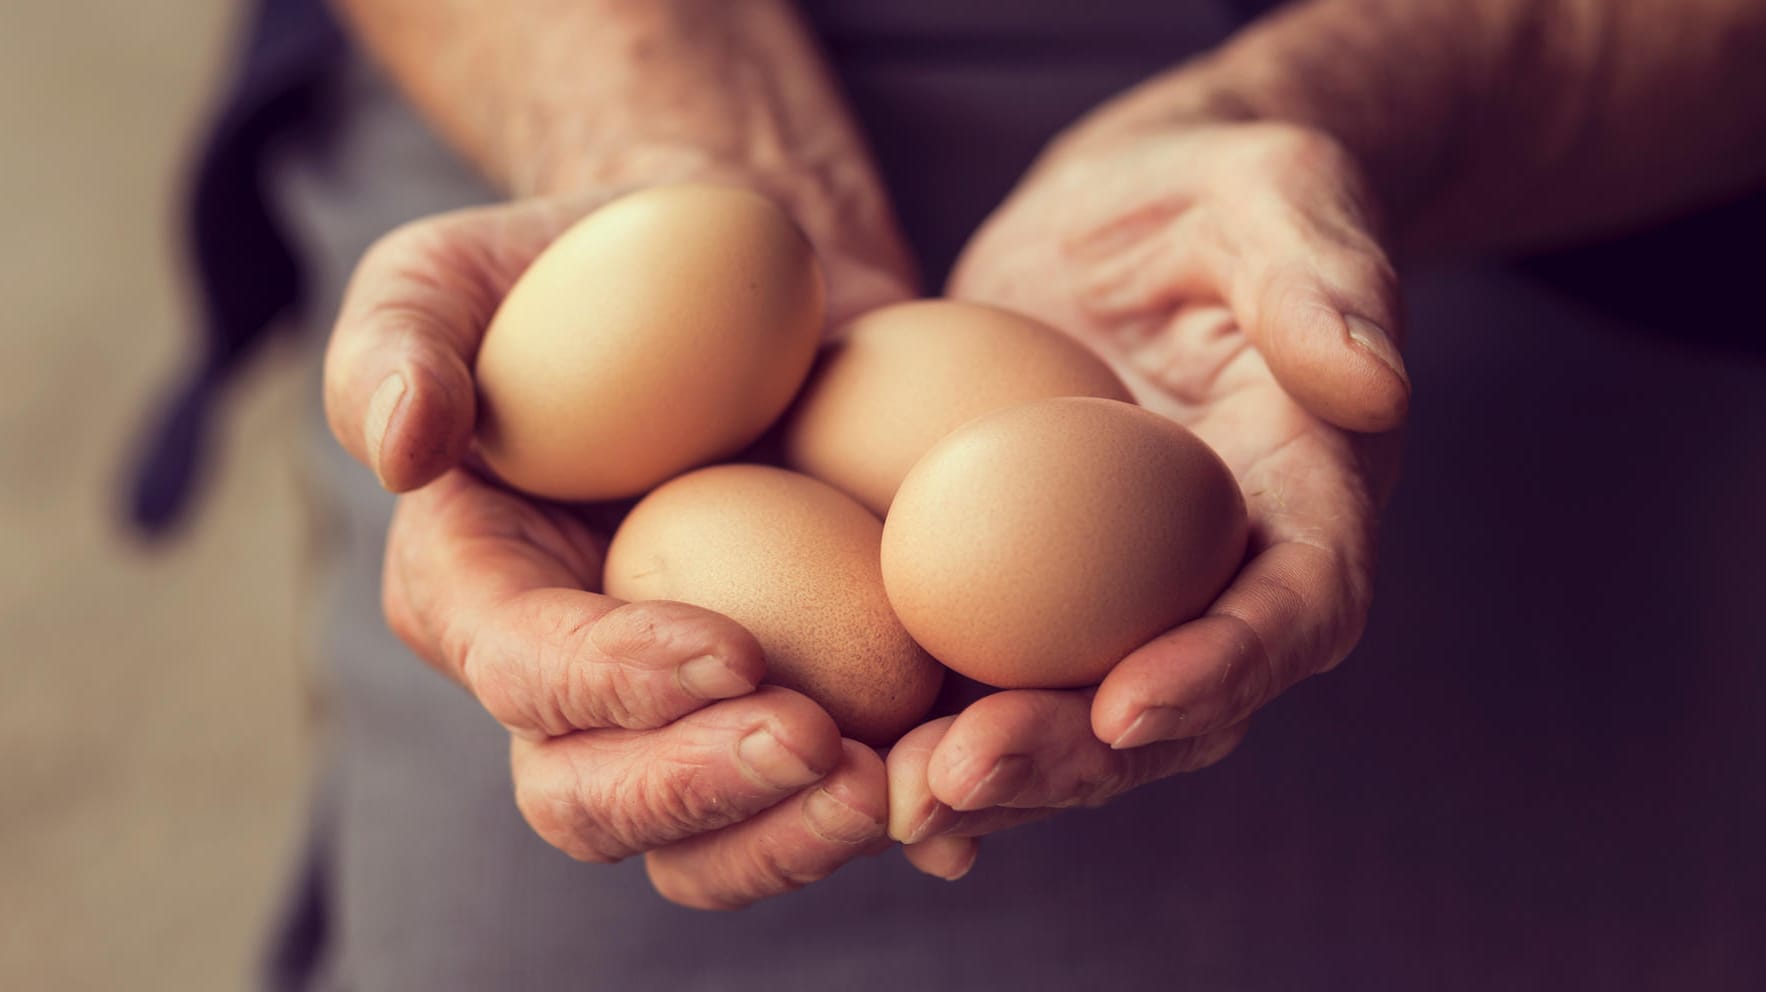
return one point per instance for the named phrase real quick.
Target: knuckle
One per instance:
(522, 661)
(577, 691)
(412, 251)
(396, 246)
(1351, 624)
(769, 868)
(399, 324)
(709, 884)
(1258, 681)
(616, 822)
(607, 687)
(554, 809)
(1358, 275)
(1291, 150)
(1347, 619)
(631, 632)
(532, 660)
(474, 645)
(1098, 789)
(677, 887)
(736, 874)
(1362, 266)
(425, 274)
(652, 803)
(680, 799)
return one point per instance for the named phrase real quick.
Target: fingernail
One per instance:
(1374, 339)
(709, 677)
(381, 407)
(921, 829)
(1156, 723)
(1004, 780)
(833, 820)
(769, 761)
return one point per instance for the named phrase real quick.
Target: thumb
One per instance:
(1326, 323)
(399, 391)
(1275, 225)
(1314, 290)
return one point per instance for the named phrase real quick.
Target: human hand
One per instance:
(1232, 273)
(634, 728)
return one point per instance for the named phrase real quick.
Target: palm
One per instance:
(625, 719)
(1217, 270)
(1303, 480)
(454, 271)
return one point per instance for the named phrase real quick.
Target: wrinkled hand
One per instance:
(1232, 274)
(634, 728)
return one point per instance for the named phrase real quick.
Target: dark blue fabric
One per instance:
(247, 275)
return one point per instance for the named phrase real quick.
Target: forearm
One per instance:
(1504, 122)
(549, 96)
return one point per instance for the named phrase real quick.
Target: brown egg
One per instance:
(796, 562)
(1036, 546)
(904, 376)
(665, 330)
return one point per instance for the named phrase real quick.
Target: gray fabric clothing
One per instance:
(1536, 772)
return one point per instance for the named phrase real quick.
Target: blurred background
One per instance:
(1563, 766)
(153, 719)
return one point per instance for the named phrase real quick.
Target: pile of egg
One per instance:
(942, 485)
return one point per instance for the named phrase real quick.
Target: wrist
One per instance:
(1397, 127)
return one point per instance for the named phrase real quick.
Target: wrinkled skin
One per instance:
(1214, 266)
(634, 728)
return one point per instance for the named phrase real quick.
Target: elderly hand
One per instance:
(1233, 274)
(634, 728)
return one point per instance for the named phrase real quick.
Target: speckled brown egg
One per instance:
(901, 377)
(665, 330)
(1038, 545)
(795, 562)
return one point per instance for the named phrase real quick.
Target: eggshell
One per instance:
(1038, 545)
(795, 562)
(901, 377)
(665, 330)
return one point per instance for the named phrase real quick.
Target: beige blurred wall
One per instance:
(152, 721)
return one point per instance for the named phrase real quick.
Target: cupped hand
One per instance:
(634, 727)
(1233, 274)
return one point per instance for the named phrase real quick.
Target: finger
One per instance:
(605, 795)
(1337, 362)
(914, 812)
(789, 846)
(946, 857)
(1281, 232)
(1312, 287)
(993, 819)
(1035, 748)
(490, 588)
(398, 382)
(1294, 611)
(979, 823)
